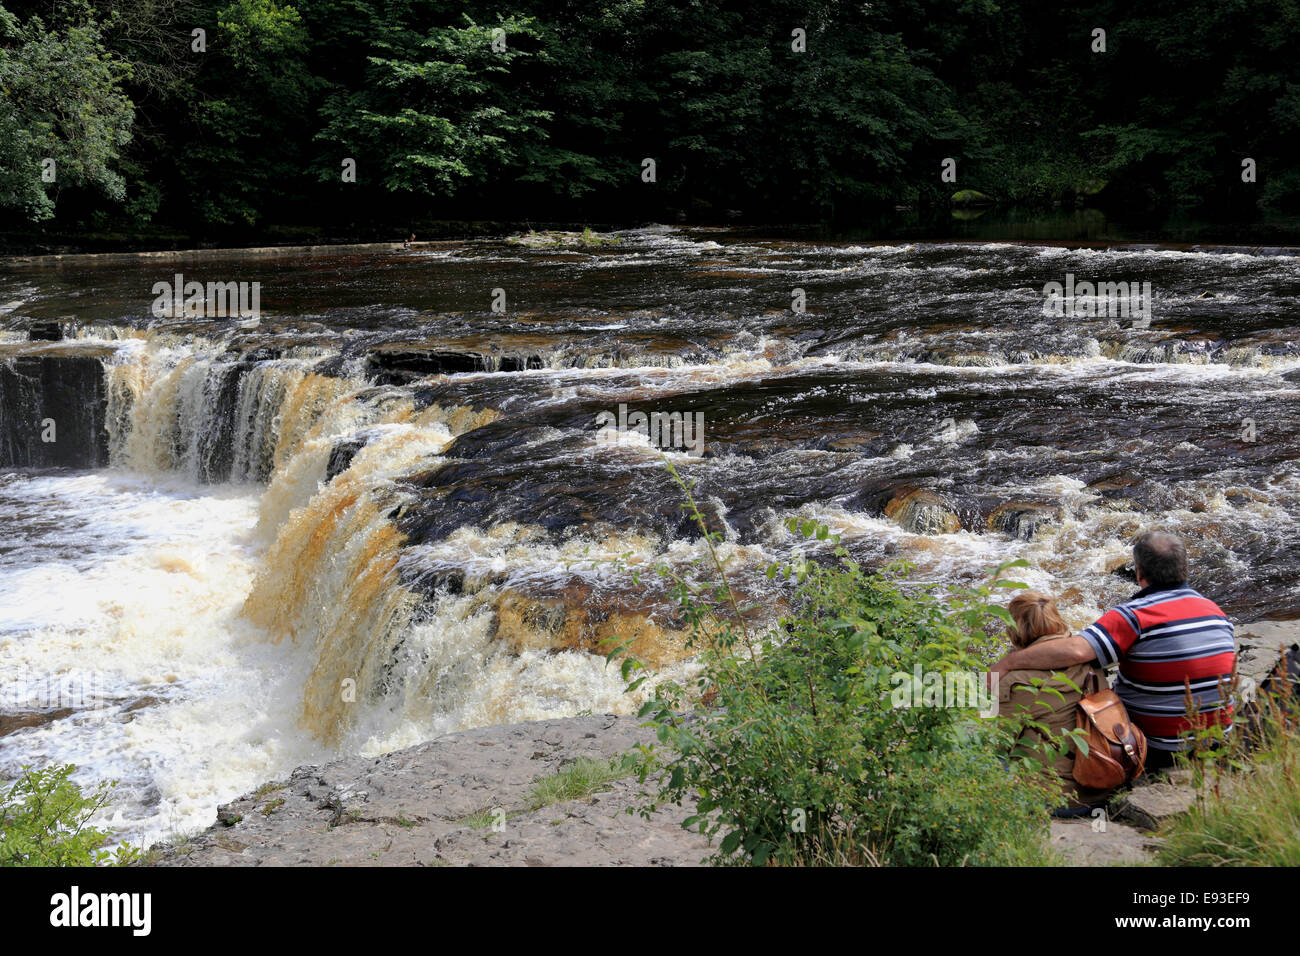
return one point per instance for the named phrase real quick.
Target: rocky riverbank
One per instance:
(472, 799)
(462, 800)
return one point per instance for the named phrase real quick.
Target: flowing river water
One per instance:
(387, 511)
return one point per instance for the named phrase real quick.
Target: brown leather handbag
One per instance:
(1117, 749)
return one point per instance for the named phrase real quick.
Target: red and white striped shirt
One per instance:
(1168, 641)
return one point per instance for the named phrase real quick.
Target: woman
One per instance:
(1050, 703)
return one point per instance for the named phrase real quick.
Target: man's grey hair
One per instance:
(1161, 559)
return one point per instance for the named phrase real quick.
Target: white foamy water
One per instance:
(122, 599)
(132, 587)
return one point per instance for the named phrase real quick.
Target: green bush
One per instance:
(792, 745)
(43, 822)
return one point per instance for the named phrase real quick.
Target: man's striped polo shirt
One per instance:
(1166, 639)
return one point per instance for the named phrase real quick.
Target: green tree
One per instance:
(61, 99)
(439, 107)
(249, 115)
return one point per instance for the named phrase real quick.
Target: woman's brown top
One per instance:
(1017, 695)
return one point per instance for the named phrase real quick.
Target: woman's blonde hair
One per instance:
(1035, 616)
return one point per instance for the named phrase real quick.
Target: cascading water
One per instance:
(387, 513)
(261, 565)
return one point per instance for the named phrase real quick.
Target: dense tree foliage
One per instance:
(63, 115)
(549, 108)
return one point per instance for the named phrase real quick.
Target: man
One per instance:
(1165, 638)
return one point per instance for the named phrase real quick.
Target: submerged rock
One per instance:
(1022, 519)
(923, 512)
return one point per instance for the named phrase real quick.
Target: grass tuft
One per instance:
(582, 777)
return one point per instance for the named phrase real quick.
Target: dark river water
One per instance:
(389, 510)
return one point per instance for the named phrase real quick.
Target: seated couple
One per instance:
(1167, 640)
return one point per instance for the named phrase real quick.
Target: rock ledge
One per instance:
(435, 804)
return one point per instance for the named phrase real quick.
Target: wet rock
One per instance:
(923, 512)
(399, 365)
(519, 363)
(573, 622)
(341, 456)
(138, 703)
(1119, 481)
(45, 332)
(1022, 519)
(11, 722)
(127, 713)
(533, 469)
(260, 353)
(1121, 567)
(1239, 497)
(443, 580)
(52, 412)
(861, 442)
(216, 445)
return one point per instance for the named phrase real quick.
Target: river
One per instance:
(387, 511)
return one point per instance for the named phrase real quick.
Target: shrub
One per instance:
(44, 822)
(800, 755)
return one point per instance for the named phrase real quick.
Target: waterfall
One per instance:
(194, 408)
(327, 579)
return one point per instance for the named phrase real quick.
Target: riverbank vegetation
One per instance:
(1247, 809)
(245, 117)
(799, 750)
(45, 821)
(797, 746)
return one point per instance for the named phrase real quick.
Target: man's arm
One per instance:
(1047, 655)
